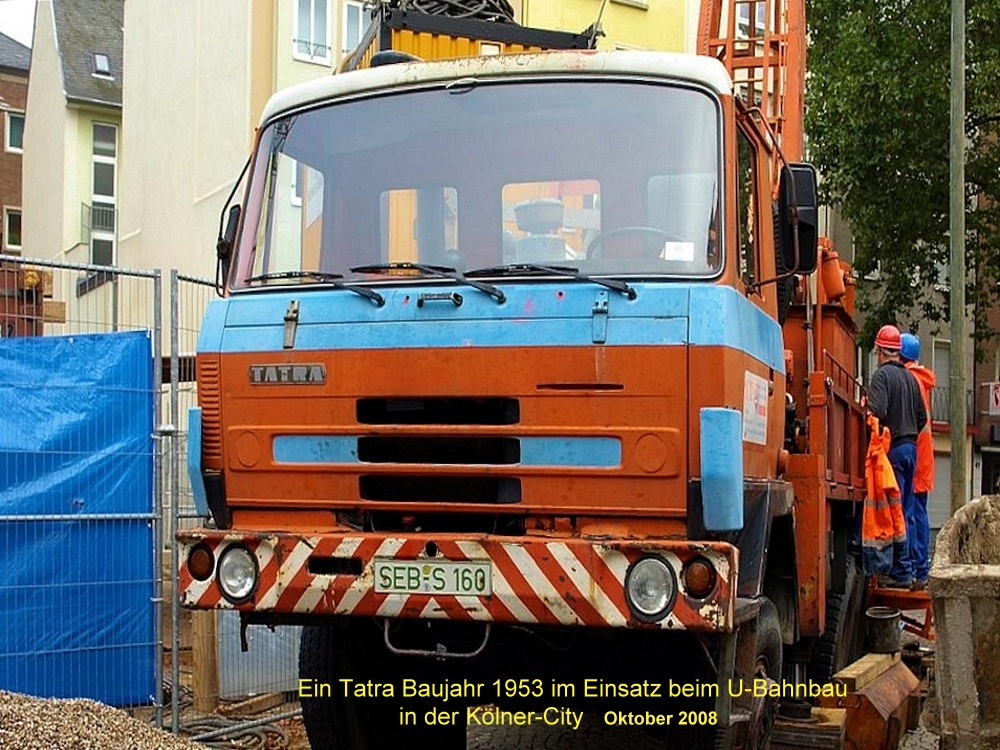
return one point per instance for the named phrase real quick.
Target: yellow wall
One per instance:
(644, 24)
(288, 69)
(83, 143)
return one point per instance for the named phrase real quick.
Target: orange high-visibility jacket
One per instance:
(923, 478)
(882, 522)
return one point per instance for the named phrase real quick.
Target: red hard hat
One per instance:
(888, 338)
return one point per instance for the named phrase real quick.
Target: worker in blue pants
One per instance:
(894, 398)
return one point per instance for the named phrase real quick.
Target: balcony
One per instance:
(941, 405)
(100, 218)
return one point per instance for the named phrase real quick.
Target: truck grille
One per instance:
(440, 489)
(435, 450)
(471, 411)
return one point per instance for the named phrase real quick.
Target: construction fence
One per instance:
(97, 376)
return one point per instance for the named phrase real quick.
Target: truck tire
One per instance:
(769, 647)
(769, 666)
(338, 722)
(769, 651)
(316, 662)
(843, 640)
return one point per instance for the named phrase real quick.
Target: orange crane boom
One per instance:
(763, 45)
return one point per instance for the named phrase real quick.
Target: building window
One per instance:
(102, 66)
(103, 212)
(15, 132)
(12, 230)
(312, 31)
(356, 23)
(941, 360)
(744, 9)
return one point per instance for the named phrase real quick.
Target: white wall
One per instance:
(46, 217)
(185, 131)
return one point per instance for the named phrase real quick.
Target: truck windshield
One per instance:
(613, 178)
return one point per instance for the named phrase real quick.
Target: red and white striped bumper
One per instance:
(571, 582)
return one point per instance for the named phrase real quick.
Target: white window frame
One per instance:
(938, 344)
(7, 211)
(325, 59)
(111, 200)
(102, 60)
(6, 141)
(743, 20)
(362, 17)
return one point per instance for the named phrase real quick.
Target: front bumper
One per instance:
(536, 581)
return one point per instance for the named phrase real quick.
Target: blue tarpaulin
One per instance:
(76, 503)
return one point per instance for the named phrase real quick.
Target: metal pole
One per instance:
(959, 462)
(175, 631)
(158, 496)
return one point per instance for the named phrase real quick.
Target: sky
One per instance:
(17, 18)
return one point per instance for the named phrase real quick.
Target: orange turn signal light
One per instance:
(699, 578)
(201, 562)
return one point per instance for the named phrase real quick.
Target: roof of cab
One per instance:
(666, 65)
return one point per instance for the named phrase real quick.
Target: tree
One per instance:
(877, 120)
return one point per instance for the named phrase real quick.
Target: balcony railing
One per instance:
(941, 405)
(99, 218)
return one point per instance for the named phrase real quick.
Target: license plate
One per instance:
(433, 577)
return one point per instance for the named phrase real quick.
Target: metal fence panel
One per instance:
(46, 298)
(80, 510)
(208, 666)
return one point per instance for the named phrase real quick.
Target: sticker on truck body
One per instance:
(755, 390)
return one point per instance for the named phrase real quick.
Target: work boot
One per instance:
(919, 584)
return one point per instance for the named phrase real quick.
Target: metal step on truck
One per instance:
(513, 395)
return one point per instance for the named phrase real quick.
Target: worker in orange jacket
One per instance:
(894, 398)
(917, 522)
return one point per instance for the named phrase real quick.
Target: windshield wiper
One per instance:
(516, 269)
(441, 272)
(326, 278)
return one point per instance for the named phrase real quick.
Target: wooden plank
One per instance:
(855, 676)
(53, 311)
(205, 653)
(253, 705)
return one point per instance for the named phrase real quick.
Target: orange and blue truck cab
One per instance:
(491, 357)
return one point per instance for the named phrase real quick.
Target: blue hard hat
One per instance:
(910, 348)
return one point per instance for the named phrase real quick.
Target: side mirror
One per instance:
(224, 247)
(798, 189)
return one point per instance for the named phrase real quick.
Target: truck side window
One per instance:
(747, 201)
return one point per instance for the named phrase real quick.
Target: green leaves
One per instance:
(877, 123)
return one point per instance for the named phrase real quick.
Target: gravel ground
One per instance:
(921, 739)
(37, 724)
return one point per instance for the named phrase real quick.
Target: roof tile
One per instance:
(83, 28)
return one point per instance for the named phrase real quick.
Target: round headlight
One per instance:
(237, 573)
(650, 588)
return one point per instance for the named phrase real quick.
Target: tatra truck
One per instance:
(521, 395)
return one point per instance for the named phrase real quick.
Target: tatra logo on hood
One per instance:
(287, 374)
